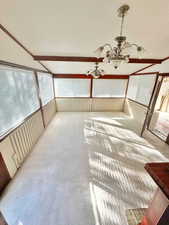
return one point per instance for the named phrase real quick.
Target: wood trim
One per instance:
(39, 97)
(137, 102)
(17, 66)
(91, 88)
(150, 73)
(126, 89)
(6, 134)
(149, 106)
(53, 86)
(145, 61)
(21, 45)
(84, 76)
(89, 97)
(108, 97)
(91, 59)
(164, 74)
(72, 97)
(14, 39)
(154, 88)
(142, 69)
(67, 58)
(4, 174)
(155, 135)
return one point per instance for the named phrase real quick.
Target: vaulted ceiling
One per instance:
(77, 28)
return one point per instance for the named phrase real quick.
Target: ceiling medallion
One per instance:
(96, 73)
(116, 55)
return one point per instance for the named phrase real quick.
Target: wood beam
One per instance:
(148, 73)
(90, 59)
(142, 69)
(84, 76)
(21, 45)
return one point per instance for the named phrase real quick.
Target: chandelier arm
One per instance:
(108, 45)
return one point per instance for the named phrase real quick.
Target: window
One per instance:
(18, 96)
(72, 87)
(46, 87)
(141, 87)
(109, 87)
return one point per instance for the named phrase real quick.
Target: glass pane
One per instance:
(72, 87)
(46, 87)
(141, 87)
(18, 96)
(159, 124)
(109, 87)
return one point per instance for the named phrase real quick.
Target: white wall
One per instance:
(11, 52)
(89, 104)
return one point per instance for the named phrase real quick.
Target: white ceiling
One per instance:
(81, 67)
(162, 68)
(77, 28)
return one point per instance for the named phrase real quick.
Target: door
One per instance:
(158, 122)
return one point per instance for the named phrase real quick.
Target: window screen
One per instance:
(140, 88)
(18, 97)
(72, 87)
(46, 87)
(109, 87)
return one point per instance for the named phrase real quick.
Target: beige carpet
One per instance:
(87, 169)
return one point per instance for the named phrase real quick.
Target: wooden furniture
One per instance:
(4, 175)
(158, 211)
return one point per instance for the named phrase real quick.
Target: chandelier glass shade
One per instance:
(116, 55)
(96, 73)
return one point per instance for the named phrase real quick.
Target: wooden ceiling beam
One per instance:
(84, 76)
(21, 45)
(90, 59)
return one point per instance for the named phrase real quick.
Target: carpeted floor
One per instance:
(87, 169)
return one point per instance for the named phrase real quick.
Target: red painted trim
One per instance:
(145, 61)
(21, 45)
(91, 88)
(67, 58)
(84, 76)
(91, 59)
(164, 74)
(80, 76)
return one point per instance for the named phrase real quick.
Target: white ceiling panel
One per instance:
(78, 27)
(13, 53)
(162, 68)
(83, 67)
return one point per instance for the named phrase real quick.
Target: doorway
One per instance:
(159, 120)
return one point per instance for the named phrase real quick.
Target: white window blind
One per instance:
(18, 96)
(72, 87)
(109, 87)
(46, 87)
(141, 87)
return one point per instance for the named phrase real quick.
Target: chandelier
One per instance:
(96, 73)
(116, 55)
